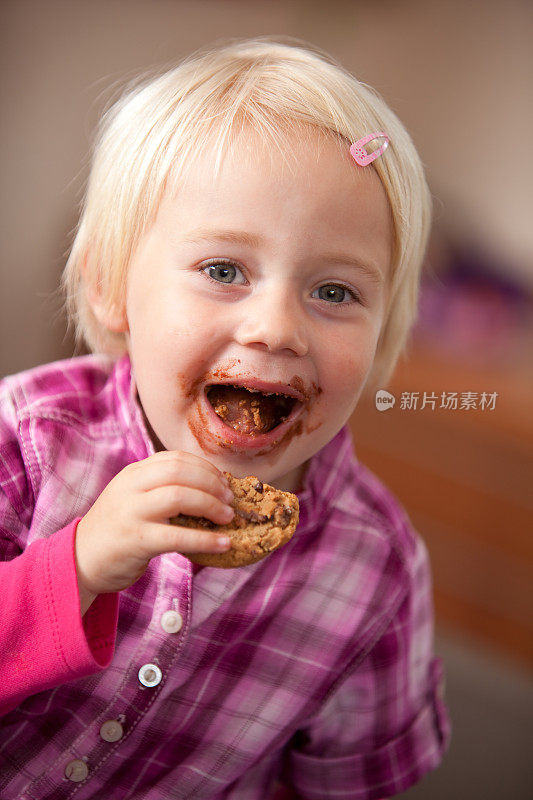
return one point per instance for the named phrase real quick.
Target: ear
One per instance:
(112, 316)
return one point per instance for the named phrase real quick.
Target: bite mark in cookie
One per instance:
(265, 519)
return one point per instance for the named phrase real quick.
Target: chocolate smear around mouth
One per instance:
(249, 411)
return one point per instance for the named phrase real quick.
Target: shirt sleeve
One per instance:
(384, 724)
(44, 641)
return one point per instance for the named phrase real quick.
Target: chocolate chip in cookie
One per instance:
(265, 519)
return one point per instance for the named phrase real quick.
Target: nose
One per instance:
(272, 320)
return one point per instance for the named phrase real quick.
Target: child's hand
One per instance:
(128, 524)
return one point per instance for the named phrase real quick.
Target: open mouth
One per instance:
(250, 411)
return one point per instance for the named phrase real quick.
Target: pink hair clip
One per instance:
(361, 156)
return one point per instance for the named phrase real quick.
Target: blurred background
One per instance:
(457, 446)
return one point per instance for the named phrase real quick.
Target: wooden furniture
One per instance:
(465, 478)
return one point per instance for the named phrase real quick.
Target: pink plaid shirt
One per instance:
(313, 667)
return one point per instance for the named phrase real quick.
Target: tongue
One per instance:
(249, 412)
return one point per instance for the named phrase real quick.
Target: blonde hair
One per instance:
(160, 128)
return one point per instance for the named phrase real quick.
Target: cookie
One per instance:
(249, 411)
(265, 519)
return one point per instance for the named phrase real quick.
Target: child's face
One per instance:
(268, 278)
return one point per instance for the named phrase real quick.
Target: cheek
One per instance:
(162, 322)
(348, 363)
(344, 370)
(346, 385)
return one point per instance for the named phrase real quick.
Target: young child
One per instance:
(245, 225)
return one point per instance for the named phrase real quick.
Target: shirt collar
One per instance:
(128, 408)
(326, 478)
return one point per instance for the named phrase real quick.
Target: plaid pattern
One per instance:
(313, 667)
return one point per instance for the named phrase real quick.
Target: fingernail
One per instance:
(223, 542)
(228, 495)
(227, 512)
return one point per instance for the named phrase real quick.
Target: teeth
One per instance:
(258, 391)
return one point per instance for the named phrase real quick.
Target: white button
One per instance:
(150, 675)
(76, 770)
(111, 731)
(171, 621)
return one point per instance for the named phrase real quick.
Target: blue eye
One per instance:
(224, 272)
(334, 293)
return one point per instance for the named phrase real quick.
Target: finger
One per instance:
(172, 538)
(177, 467)
(169, 501)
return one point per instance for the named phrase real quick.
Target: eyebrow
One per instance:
(252, 240)
(233, 237)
